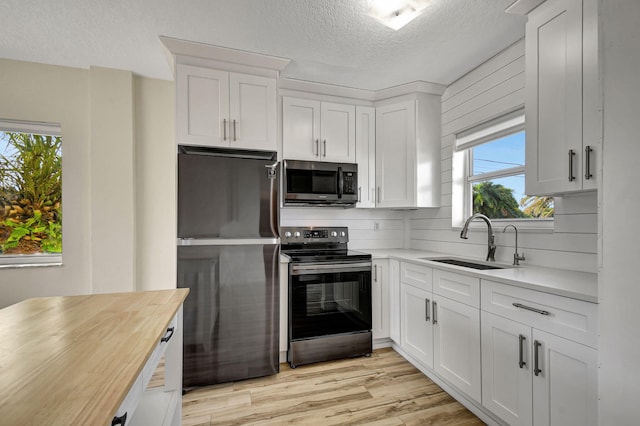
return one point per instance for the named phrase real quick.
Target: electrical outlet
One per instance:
(376, 226)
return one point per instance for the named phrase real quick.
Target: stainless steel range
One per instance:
(329, 295)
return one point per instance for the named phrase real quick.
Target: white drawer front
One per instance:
(461, 288)
(569, 318)
(417, 275)
(158, 353)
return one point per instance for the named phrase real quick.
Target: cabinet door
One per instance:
(338, 132)
(253, 118)
(394, 301)
(300, 129)
(202, 103)
(564, 390)
(415, 326)
(553, 98)
(506, 382)
(380, 299)
(456, 345)
(366, 155)
(395, 154)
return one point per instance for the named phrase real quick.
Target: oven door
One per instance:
(328, 299)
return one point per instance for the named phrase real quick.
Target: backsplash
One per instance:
(368, 228)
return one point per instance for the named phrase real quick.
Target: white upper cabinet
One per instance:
(366, 155)
(408, 152)
(319, 131)
(225, 109)
(563, 103)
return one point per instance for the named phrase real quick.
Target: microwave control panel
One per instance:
(350, 182)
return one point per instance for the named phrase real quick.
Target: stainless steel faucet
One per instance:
(491, 247)
(516, 257)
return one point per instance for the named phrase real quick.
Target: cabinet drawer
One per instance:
(569, 318)
(461, 288)
(157, 354)
(130, 402)
(417, 275)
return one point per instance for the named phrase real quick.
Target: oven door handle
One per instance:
(327, 268)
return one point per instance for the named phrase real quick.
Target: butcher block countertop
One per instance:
(71, 360)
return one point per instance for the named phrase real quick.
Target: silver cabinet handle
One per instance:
(224, 129)
(427, 317)
(359, 193)
(529, 308)
(587, 162)
(378, 199)
(572, 154)
(536, 346)
(317, 147)
(375, 273)
(324, 143)
(435, 312)
(235, 131)
(521, 362)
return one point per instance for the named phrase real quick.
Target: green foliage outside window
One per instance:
(497, 202)
(30, 193)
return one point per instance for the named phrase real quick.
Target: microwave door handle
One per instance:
(340, 182)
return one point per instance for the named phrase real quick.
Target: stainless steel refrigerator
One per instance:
(228, 256)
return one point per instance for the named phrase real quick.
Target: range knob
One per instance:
(296, 234)
(343, 234)
(287, 234)
(334, 234)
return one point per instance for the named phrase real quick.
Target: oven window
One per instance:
(333, 303)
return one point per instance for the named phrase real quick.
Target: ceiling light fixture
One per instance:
(396, 14)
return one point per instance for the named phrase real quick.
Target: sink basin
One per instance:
(466, 263)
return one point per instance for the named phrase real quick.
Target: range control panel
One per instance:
(315, 234)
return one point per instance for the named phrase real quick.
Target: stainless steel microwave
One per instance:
(318, 183)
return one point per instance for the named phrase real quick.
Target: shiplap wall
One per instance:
(490, 90)
(368, 228)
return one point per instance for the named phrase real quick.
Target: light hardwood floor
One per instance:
(382, 390)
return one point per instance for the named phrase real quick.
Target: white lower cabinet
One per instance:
(441, 333)
(530, 376)
(565, 388)
(394, 300)
(416, 327)
(506, 369)
(456, 344)
(380, 299)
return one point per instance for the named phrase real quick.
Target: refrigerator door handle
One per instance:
(273, 199)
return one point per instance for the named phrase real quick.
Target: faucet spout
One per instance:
(516, 256)
(491, 247)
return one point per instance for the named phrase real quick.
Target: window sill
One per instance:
(28, 261)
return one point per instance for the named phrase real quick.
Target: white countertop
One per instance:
(573, 284)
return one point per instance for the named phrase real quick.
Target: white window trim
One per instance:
(39, 259)
(461, 208)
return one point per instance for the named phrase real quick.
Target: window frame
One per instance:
(462, 169)
(40, 259)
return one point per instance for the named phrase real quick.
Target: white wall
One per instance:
(619, 281)
(53, 94)
(118, 178)
(155, 199)
(492, 89)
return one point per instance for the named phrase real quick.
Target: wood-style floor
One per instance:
(382, 390)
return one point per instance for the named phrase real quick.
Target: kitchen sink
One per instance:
(466, 263)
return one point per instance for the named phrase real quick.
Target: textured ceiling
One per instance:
(328, 41)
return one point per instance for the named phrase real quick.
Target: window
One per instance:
(490, 163)
(30, 193)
